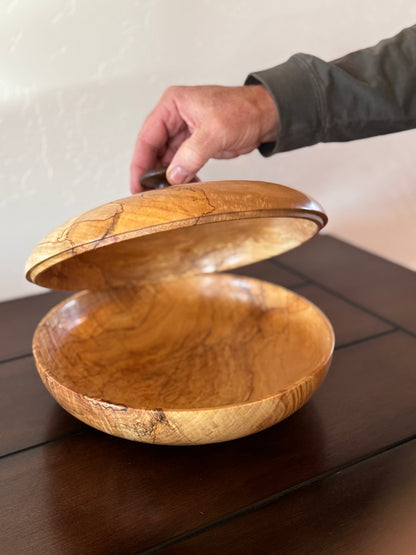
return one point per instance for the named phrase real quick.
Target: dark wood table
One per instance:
(339, 476)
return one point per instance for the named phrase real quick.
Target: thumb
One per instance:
(190, 157)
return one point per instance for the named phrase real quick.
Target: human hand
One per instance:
(190, 125)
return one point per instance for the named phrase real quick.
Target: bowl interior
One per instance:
(206, 341)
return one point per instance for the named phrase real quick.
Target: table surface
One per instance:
(336, 477)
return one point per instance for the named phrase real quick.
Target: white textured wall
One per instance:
(77, 79)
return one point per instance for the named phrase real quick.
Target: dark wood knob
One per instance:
(155, 179)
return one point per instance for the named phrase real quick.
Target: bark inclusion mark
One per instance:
(206, 212)
(114, 221)
(148, 427)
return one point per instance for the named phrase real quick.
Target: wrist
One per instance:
(268, 113)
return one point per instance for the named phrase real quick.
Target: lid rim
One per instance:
(319, 218)
(172, 209)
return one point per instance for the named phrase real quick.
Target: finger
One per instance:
(152, 141)
(173, 146)
(144, 159)
(191, 156)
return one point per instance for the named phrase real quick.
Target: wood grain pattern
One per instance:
(174, 232)
(368, 508)
(202, 360)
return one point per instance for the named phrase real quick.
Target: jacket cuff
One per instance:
(295, 90)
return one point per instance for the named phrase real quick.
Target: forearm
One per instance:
(366, 93)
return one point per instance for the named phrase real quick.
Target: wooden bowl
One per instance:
(161, 349)
(201, 360)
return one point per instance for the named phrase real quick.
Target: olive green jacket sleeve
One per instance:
(365, 93)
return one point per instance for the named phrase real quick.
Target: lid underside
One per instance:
(173, 232)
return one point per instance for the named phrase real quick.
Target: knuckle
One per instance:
(171, 92)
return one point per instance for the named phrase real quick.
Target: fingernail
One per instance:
(178, 175)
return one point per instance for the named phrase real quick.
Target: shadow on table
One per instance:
(104, 493)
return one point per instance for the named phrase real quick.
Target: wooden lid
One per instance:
(173, 232)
